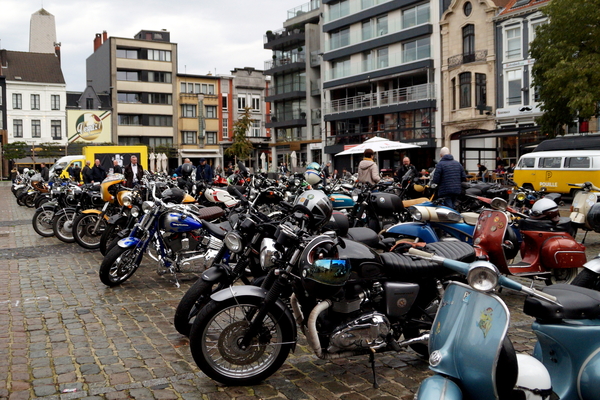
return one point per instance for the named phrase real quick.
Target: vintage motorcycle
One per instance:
(473, 357)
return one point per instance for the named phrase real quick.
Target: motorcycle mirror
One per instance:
(499, 203)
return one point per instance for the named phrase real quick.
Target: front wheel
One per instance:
(42, 222)
(197, 296)
(29, 200)
(562, 275)
(88, 229)
(108, 236)
(119, 265)
(587, 279)
(216, 335)
(62, 226)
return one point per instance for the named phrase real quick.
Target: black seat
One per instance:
(364, 235)
(217, 230)
(544, 225)
(404, 266)
(576, 303)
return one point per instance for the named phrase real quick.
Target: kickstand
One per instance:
(372, 361)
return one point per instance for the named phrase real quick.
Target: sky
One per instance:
(213, 36)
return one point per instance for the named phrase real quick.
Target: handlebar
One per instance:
(585, 186)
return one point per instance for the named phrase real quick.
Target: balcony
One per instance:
(381, 99)
(351, 8)
(460, 59)
(303, 9)
(285, 62)
(284, 38)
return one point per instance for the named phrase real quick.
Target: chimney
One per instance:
(104, 36)
(97, 41)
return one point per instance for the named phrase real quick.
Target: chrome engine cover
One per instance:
(367, 332)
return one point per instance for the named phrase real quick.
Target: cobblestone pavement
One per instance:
(64, 335)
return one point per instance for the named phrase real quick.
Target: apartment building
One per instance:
(380, 76)
(140, 75)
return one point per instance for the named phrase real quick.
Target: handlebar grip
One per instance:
(420, 253)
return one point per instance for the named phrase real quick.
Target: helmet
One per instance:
(314, 166)
(173, 195)
(545, 209)
(312, 177)
(322, 270)
(31, 172)
(319, 206)
(25, 170)
(186, 169)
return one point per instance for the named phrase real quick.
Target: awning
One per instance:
(490, 135)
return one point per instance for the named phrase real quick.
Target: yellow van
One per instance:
(554, 170)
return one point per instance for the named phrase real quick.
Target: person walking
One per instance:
(98, 172)
(134, 172)
(368, 171)
(204, 172)
(87, 173)
(448, 176)
(326, 172)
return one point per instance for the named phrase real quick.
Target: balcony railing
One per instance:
(274, 35)
(303, 9)
(455, 61)
(353, 7)
(278, 62)
(379, 99)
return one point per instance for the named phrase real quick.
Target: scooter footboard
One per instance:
(438, 388)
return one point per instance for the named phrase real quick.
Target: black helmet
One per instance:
(186, 169)
(319, 206)
(173, 195)
(323, 272)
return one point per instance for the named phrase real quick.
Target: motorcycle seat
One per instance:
(209, 213)
(575, 303)
(217, 230)
(545, 225)
(404, 266)
(414, 202)
(364, 235)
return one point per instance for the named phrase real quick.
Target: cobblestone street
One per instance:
(65, 335)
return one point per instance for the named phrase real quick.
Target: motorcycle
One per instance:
(473, 358)
(85, 197)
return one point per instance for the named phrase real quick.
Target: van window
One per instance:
(526, 163)
(577, 162)
(550, 162)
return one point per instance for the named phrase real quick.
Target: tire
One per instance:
(21, 199)
(214, 337)
(62, 226)
(196, 297)
(19, 192)
(41, 200)
(29, 200)
(83, 230)
(119, 265)
(562, 275)
(111, 232)
(42, 222)
(587, 279)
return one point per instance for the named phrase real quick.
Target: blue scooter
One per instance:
(474, 359)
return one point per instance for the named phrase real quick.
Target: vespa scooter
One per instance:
(474, 359)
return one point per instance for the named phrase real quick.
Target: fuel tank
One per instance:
(177, 222)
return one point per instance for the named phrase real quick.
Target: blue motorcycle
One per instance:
(473, 358)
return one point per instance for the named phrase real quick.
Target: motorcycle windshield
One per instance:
(489, 237)
(466, 338)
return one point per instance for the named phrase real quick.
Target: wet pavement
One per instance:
(65, 335)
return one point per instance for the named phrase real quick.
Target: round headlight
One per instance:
(126, 199)
(268, 253)
(233, 241)
(415, 213)
(135, 211)
(520, 196)
(483, 277)
(147, 206)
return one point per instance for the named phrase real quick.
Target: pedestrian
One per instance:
(326, 173)
(87, 173)
(483, 172)
(204, 172)
(117, 169)
(229, 169)
(404, 168)
(448, 176)
(44, 172)
(179, 170)
(98, 172)
(368, 171)
(134, 172)
(76, 172)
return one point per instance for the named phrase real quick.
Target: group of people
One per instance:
(203, 172)
(501, 169)
(93, 174)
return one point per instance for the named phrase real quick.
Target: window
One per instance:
(367, 30)
(18, 128)
(340, 38)
(35, 101)
(453, 83)
(211, 137)
(577, 162)
(55, 102)
(382, 58)
(1, 101)
(159, 55)
(160, 141)
(241, 101)
(340, 68)
(224, 105)
(550, 162)
(339, 9)
(415, 16)
(416, 50)
(89, 103)
(189, 137)
(526, 163)
(255, 103)
(17, 101)
(162, 77)
(255, 129)
(534, 26)
(514, 79)
(468, 33)
(225, 127)
(480, 89)
(513, 43)
(208, 88)
(160, 98)
(465, 89)
(127, 119)
(127, 53)
(160, 120)
(190, 88)
(128, 97)
(56, 129)
(467, 8)
(183, 88)
(211, 111)
(36, 128)
(188, 111)
(128, 76)
(382, 26)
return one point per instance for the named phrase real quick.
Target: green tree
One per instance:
(15, 150)
(242, 146)
(567, 56)
(50, 150)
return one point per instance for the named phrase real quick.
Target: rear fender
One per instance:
(50, 206)
(438, 387)
(593, 265)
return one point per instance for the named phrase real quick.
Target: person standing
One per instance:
(87, 173)
(368, 171)
(76, 172)
(98, 172)
(326, 173)
(404, 168)
(204, 172)
(448, 176)
(44, 172)
(483, 172)
(133, 172)
(116, 167)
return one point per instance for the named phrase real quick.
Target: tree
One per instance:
(242, 146)
(567, 56)
(15, 150)
(50, 150)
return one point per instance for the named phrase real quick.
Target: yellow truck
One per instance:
(106, 155)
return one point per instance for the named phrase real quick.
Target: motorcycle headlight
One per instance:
(135, 211)
(520, 196)
(268, 253)
(233, 241)
(126, 199)
(415, 213)
(483, 277)
(147, 206)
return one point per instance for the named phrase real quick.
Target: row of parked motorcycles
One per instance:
(359, 270)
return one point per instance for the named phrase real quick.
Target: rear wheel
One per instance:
(587, 279)
(88, 229)
(109, 234)
(62, 226)
(119, 265)
(197, 296)
(41, 200)
(21, 199)
(29, 200)
(562, 275)
(42, 222)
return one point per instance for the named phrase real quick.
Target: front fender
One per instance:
(593, 265)
(438, 388)
(129, 242)
(414, 229)
(214, 274)
(49, 206)
(65, 210)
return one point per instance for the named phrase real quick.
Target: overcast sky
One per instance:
(212, 35)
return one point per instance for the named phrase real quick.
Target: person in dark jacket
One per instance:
(117, 169)
(448, 176)
(87, 173)
(98, 172)
(134, 172)
(404, 168)
(204, 172)
(75, 173)
(45, 172)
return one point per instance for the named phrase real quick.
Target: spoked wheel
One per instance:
(587, 279)
(42, 222)
(63, 226)
(119, 265)
(562, 275)
(41, 200)
(197, 296)
(111, 233)
(216, 335)
(21, 199)
(29, 200)
(87, 230)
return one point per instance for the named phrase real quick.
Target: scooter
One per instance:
(473, 358)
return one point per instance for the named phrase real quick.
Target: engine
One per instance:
(194, 251)
(369, 331)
